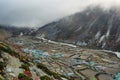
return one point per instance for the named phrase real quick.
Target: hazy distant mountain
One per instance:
(94, 27)
(14, 31)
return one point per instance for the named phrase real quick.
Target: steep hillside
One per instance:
(94, 27)
(15, 65)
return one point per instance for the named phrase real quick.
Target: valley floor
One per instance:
(73, 62)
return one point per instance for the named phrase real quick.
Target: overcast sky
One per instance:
(34, 13)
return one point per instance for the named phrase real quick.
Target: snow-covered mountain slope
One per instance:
(94, 27)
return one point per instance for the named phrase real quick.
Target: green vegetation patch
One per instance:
(25, 66)
(45, 78)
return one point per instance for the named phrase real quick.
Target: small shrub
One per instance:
(45, 78)
(2, 65)
(26, 67)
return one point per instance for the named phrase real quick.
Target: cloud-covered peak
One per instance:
(40, 12)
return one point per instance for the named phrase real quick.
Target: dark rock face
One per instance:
(93, 27)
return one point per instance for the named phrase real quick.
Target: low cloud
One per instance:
(36, 13)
